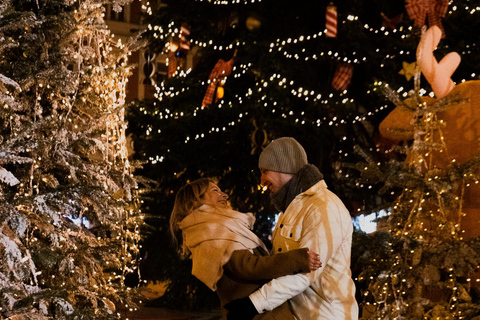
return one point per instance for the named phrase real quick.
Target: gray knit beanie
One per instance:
(284, 155)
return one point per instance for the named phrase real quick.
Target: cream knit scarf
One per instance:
(212, 234)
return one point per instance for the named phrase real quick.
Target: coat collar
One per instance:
(320, 186)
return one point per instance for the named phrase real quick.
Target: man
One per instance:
(313, 217)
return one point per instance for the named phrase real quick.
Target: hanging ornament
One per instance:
(217, 78)
(184, 42)
(342, 77)
(331, 21)
(259, 139)
(220, 92)
(172, 63)
(178, 48)
(253, 23)
(148, 68)
(419, 10)
(173, 46)
(408, 70)
(172, 57)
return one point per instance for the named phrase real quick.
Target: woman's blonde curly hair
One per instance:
(188, 198)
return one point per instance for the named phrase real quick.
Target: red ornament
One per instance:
(172, 63)
(331, 21)
(183, 38)
(419, 10)
(342, 77)
(217, 77)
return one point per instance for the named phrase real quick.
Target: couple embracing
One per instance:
(306, 275)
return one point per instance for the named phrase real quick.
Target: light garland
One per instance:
(88, 99)
(417, 221)
(161, 91)
(299, 93)
(257, 92)
(402, 31)
(334, 55)
(299, 119)
(279, 46)
(260, 86)
(473, 10)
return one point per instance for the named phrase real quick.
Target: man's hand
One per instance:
(241, 309)
(313, 261)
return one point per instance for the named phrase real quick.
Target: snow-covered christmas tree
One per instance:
(68, 218)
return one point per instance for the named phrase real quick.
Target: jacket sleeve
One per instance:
(279, 290)
(248, 266)
(322, 233)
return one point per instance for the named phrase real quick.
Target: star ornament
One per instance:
(408, 70)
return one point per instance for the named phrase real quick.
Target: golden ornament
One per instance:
(253, 23)
(408, 70)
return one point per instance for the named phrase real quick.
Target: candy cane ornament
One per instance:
(331, 21)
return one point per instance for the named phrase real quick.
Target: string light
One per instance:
(291, 48)
(45, 205)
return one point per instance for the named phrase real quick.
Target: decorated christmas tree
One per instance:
(238, 74)
(68, 236)
(430, 270)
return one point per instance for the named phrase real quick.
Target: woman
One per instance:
(226, 255)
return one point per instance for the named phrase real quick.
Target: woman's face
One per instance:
(215, 197)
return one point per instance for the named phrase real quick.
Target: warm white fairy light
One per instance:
(299, 92)
(308, 95)
(299, 39)
(162, 92)
(107, 97)
(299, 118)
(402, 31)
(146, 7)
(333, 55)
(430, 119)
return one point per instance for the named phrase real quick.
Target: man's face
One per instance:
(274, 180)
